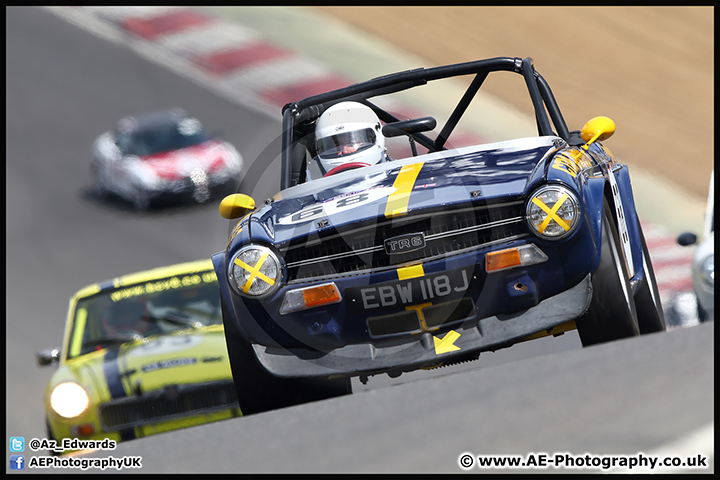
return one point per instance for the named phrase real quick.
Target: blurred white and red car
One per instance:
(703, 264)
(164, 157)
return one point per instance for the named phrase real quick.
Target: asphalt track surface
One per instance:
(652, 394)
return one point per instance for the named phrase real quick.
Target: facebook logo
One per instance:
(17, 462)
(17, 444)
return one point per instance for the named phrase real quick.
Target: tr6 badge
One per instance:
(405, 243)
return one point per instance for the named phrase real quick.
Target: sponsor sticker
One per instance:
(177, 362)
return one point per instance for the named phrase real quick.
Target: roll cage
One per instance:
(299, 117)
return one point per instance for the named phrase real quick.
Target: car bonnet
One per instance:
(176, 359)
(176, 164)
(492, 172)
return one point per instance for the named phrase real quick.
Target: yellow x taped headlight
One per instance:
(553, 212)
(254, 271)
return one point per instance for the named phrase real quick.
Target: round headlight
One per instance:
(553, 212)
(69, 400)
(707, 271)
(254, 271)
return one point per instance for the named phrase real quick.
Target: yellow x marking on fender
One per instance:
(552, 214)
(254, 271)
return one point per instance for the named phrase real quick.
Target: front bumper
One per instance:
(425, 349)
(170, 408)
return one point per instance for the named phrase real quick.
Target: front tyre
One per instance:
(98, 181)
(647, 299)
(259, 391)
(50, 436)
(141, 201)
(612, 314)
(702, 314)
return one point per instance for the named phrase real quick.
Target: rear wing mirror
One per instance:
(687, 239)
(48, 357)
(236, 205)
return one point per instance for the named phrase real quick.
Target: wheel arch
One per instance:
(625, 200)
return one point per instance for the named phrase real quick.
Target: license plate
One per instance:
(413, 291)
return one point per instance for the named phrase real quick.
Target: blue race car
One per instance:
(364, 264)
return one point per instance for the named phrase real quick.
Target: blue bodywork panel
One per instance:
(406, 249)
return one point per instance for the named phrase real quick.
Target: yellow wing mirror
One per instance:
(236, 205)
(597, 129)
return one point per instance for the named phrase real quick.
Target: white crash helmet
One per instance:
(348, 135)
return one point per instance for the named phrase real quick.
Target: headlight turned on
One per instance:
(254, 271)
(69, 400)
(553, 212)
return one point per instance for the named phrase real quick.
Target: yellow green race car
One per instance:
(142, 354)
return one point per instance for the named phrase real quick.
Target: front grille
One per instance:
(171, 402)
(361, 248)
(182, 185)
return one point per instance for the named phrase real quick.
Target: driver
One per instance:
(348, 135)
(127, 317)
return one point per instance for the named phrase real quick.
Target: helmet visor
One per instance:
(346, 143)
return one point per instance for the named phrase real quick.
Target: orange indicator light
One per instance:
(502, 259)
(321, 295)
(84, 430)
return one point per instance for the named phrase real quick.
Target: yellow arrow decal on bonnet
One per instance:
(397, 203)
